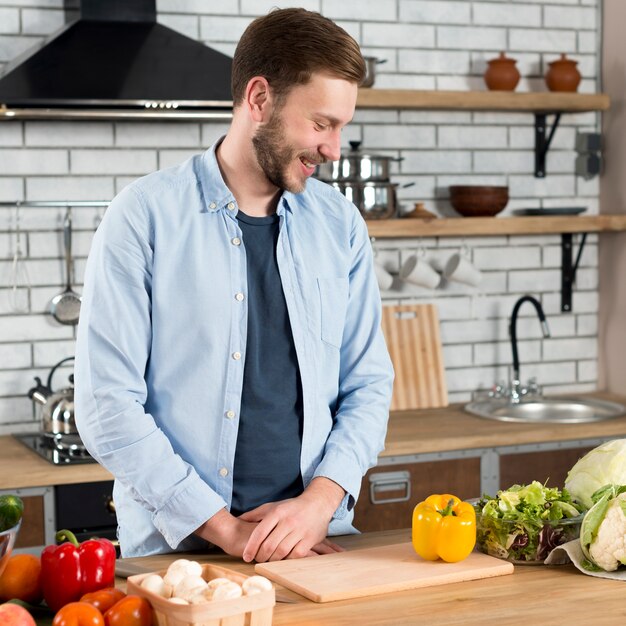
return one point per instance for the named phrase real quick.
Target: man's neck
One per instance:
(255, 195)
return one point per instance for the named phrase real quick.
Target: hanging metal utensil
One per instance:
(19, 271)
(65, 307)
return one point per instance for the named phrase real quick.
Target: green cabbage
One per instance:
(604, 465)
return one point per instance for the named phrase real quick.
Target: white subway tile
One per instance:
(471, 137)
(402, 136)
(33, 161)
(473, 378)
(580, 18)
(32, 328)
(9, 21)
(587, 325)
(586, 278)
(535, 281)
(384, 34)
(549, 373)
(227, 29)
(405, 81)
(11, 189)
(16, 415)
(489, 14)
(524, 137)
(435, 162)
(471, 38)
(10, 134)
(542, 40)
(261, 7)
(587, 41)
(468, 331)
(198, 6)
(552, 185)
(435, 117)
(588, 371)
(113, 161)
(42, 22)
(188, 25)
(212, 131)
(499, 353)
(368, 10)
(569, 349)
(433, 61)
(49, 353)
(62, 134)
(457, 356)
(582, 302)
(98, 188)
(163, 135)
(434, 12)
(15, 355)
(507, 258)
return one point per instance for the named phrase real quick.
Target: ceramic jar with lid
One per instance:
(501, 74)
(563, 75)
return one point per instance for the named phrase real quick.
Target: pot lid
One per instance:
(357, 151)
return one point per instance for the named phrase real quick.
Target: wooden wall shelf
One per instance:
(488, 226)
(540, 102)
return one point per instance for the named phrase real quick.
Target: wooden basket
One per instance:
(254, 610)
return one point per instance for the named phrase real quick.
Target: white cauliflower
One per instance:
(608, 549)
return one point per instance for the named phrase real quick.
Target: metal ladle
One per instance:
(65, 307)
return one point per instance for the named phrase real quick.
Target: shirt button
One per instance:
(236, 356)
(212, 205)
(223, 472)
(230, 414)
(231, 206)
(235, 241)
(239, 297)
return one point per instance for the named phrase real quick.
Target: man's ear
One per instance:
(258, 99)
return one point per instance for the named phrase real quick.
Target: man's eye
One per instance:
(320, 126)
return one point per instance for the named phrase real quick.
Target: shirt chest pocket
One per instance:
(333, 294)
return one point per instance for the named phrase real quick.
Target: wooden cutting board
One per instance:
(371, 571)
(414, 343)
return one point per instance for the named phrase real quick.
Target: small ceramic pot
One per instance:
(501, 74)
(563, 75)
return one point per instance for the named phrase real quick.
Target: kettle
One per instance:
(57, 407)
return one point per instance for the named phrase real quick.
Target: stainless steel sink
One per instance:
(540, 409)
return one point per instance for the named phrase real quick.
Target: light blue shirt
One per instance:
(162, 340)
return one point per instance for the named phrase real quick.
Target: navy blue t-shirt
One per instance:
(269, 439)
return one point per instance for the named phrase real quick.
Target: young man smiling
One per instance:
(231, 372)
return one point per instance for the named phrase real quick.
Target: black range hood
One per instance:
(116, 62)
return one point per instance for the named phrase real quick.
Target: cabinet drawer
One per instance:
(387, 501)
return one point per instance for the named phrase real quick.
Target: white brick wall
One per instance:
(428, 44)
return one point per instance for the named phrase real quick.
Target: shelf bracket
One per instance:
(542, 143)
(568, 269)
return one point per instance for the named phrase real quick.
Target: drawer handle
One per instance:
(390, 481)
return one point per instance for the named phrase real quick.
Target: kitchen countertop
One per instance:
(541, 594)
(409, 432)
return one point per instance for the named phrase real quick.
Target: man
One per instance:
(231, 372)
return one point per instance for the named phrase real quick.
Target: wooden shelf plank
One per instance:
(485, 226)
(481, 100)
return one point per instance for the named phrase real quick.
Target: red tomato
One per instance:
(104, 599)
(129, 611)
(78, 614)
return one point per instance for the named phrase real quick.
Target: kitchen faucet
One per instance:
(516, 391)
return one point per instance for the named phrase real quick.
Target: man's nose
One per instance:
(331, 148)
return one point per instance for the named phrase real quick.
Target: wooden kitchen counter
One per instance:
(409, 433)
(532, 594)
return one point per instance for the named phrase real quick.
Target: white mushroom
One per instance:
(256, 584)
(156, 584)
(177, 601)
(189, 586)
(181, 568)
(228, 591)
(214, 583)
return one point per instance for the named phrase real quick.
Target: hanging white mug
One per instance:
(418, 271)
(460, 269)
(384, 278)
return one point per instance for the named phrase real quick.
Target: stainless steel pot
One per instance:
(356, 165)
(370, 70)
(375, 200)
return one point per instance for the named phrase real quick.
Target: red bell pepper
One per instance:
(70, 570)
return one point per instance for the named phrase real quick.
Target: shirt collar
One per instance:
(217, 195)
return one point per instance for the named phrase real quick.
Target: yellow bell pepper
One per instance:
(444, 527)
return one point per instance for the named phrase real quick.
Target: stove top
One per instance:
(57, 449)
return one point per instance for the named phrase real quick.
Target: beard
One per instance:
(274, 155)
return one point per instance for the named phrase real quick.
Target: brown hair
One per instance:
(287, 46)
